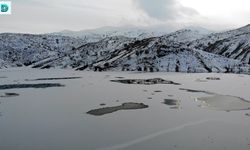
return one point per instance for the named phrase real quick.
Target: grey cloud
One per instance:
(165, 9)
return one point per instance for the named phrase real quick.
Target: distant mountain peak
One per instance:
(247, 25)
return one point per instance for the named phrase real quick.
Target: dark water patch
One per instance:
(150, 98)
(196, 91)
(22, 86)
(213, 78)
(145, 81)
(124, 106)
(158, 91)
(9, 95)
(170, 102)
(61, 78)
(102, 104)
(175, 104)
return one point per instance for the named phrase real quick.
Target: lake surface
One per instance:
(190, 115)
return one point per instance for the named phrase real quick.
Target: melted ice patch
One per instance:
(225, 103)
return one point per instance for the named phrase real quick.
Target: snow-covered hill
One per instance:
(26, 49)
(232, 44)
(151, 54)
(87, 53)
(187, 50)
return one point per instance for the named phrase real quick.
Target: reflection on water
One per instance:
(124, 106)
(225, 103)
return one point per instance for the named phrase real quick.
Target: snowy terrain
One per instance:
(187, 50)
(232, 44)
(26, 49)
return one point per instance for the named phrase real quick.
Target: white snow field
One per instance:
(47, 110)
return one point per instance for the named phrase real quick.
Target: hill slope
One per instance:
(231, 44)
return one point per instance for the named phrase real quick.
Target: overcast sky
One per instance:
(40, 16)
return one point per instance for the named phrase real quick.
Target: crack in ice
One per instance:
(154, 135)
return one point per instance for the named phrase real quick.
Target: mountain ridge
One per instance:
(186, 50)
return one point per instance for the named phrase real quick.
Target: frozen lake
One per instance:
(47, 110)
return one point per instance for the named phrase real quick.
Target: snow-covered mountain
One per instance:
(231, 44)
(86, 54)
(95, 35)
(152, 54)
(187, 50)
